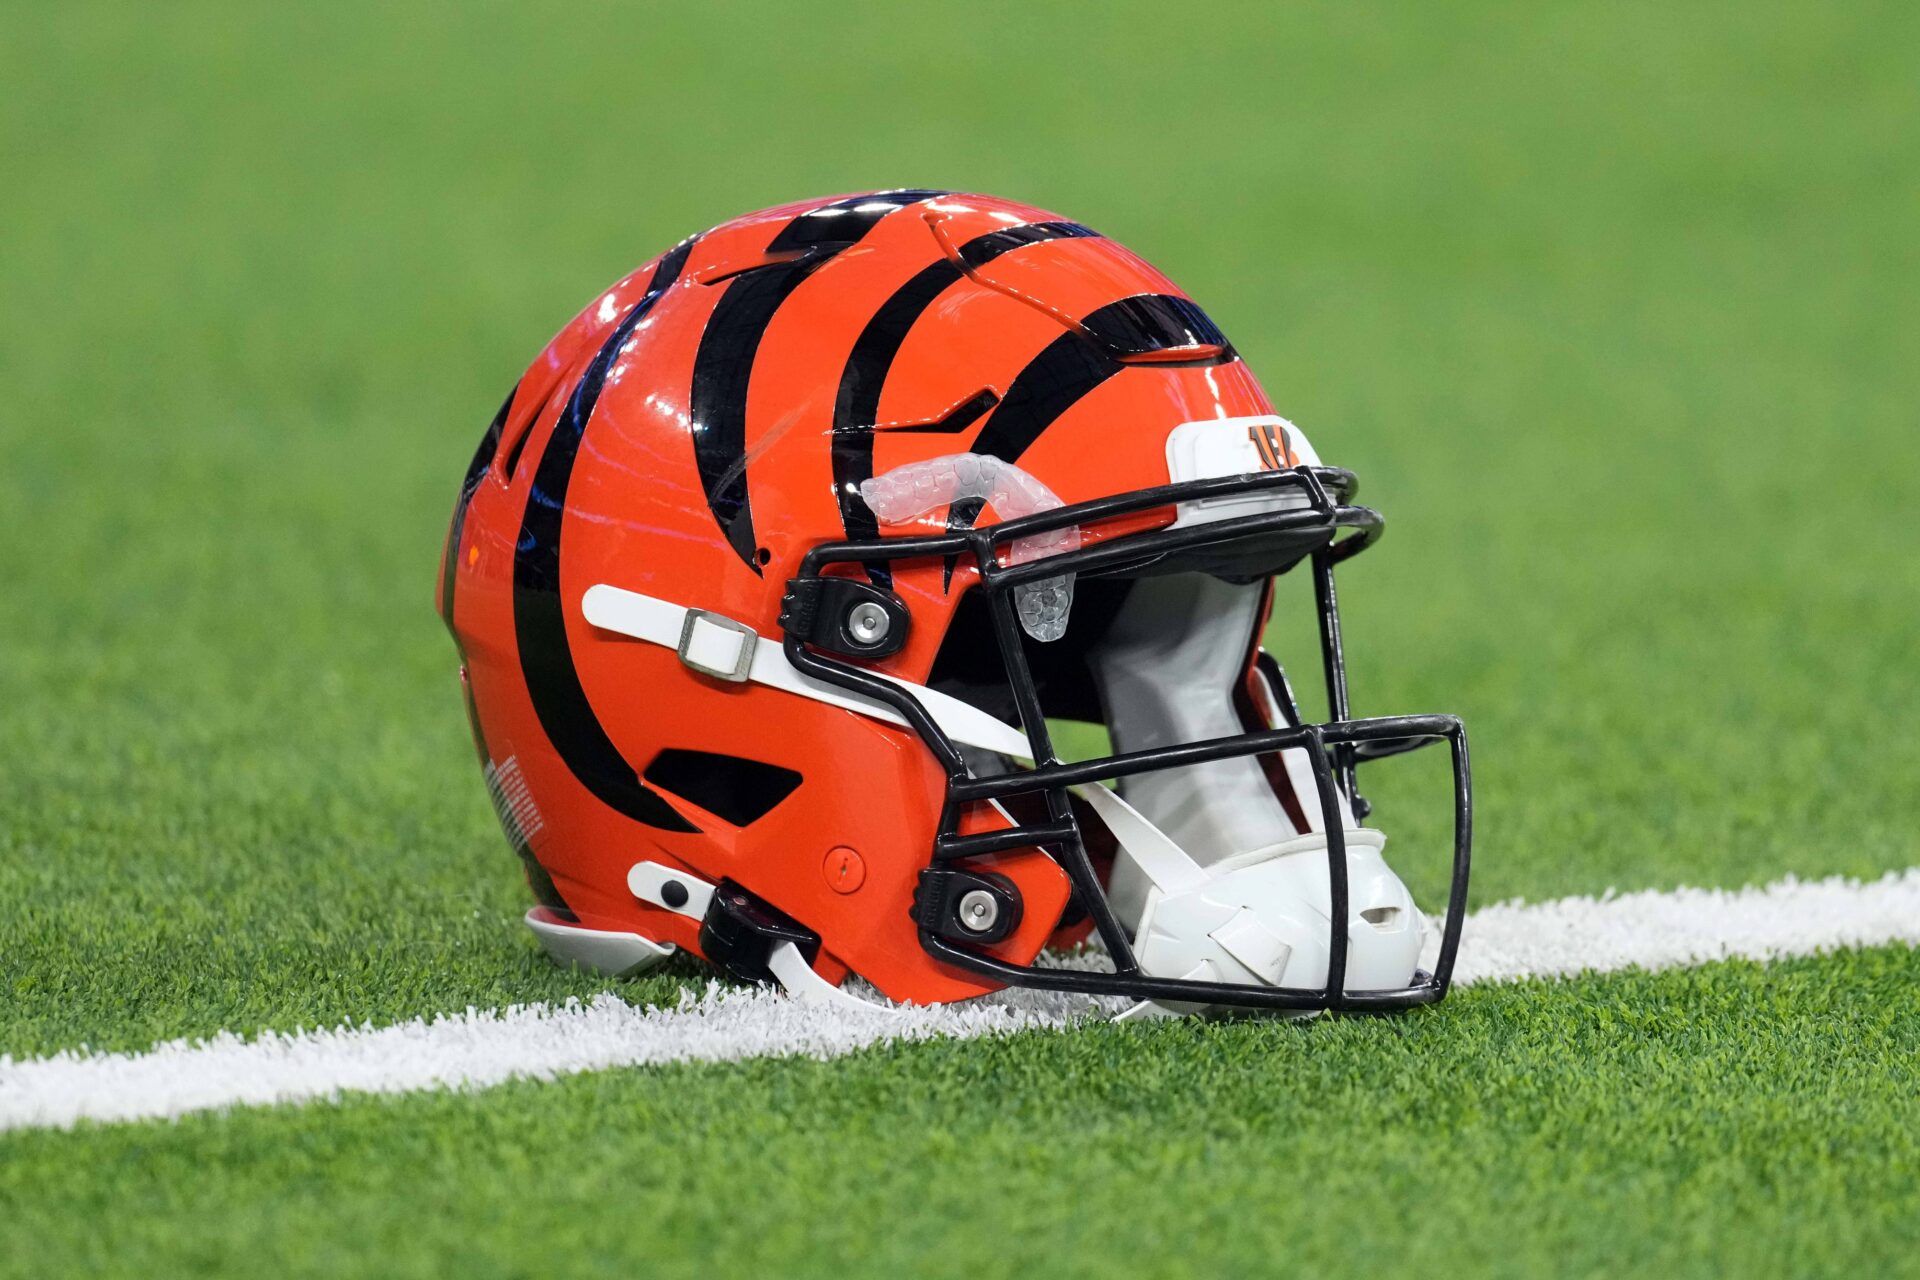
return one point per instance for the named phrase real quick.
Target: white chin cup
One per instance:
(1262, 918)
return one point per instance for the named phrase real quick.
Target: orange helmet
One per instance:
(772, 569)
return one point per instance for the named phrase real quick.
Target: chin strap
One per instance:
(1165, 864)
(803, 984)
(688, 895)
(721, 648)
(1168, 867)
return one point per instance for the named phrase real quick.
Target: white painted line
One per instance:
(1651, 929)
(474, 1049)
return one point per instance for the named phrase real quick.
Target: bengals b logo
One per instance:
(1275, 446)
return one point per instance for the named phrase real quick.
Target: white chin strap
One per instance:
(685, 894)
(732, 652)
(627, 955)
(1263, 917)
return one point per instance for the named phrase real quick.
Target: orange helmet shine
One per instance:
(772, 568)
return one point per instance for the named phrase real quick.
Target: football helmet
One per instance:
(776, 571)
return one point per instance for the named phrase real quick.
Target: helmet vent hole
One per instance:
(734, 789)
(1380, 917)
(511, 463)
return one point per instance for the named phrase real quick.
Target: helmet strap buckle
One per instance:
(716, 645)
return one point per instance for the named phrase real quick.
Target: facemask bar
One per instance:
(1333, 749)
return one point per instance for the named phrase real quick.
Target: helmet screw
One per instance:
(978, 910)
(868, 623)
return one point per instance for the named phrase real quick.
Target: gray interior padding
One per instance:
(1167, 669)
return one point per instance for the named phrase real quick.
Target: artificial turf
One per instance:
(1731, 1120)
(1613, 310)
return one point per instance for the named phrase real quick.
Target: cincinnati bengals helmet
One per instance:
(773, 568)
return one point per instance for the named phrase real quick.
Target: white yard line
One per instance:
(1651, 930)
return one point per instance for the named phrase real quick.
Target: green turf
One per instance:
(1732, 1120)
(1612, 307)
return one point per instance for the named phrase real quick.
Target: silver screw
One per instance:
(868, 623)
(978, 910)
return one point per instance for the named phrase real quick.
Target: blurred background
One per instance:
(1612, 308)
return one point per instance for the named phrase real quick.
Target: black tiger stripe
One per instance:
(1151, 322)
(723, 365)
(1070, 367)
(844, 222)
(482, 459)
(981, 250)
(1066, 370)
(857, 406)
(476, 469)
(539, 622)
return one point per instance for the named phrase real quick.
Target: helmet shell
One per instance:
(698, 428)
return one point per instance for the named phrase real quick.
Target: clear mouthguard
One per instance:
(910, 491)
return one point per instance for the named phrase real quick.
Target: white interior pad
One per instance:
(1141, 1010)
(1263, 917)
(1167, 668)
(642, 617)
(1258, 917)
(1254, 945)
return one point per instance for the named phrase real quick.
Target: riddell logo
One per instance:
(1275, 446)
(513, 803)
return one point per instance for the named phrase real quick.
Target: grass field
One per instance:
(1614, 310)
